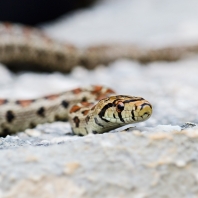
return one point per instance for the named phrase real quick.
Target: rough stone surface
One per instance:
(122, 164)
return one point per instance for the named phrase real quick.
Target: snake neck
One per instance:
(88, 122)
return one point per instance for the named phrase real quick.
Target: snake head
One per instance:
(122, 110)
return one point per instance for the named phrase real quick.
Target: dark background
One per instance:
(32, 12)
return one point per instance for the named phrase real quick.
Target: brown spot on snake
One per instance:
(96, 89)
(7, 25)
(74, 109)
(87, 119)
(24, 103)
(86, 104)
(76, 121)
(85, 112)
(3, 101)
(52, 97)
(101, 96)
(77, 91)
(109, 91)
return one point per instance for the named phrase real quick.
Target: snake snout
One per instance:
(145, 110)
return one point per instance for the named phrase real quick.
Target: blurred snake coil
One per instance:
(94, 109)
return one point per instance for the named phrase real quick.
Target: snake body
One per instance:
(25, 46)
(95, 109)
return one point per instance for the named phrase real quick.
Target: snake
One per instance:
(23, 47)
(90, 110)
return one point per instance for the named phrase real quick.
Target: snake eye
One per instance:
(120, 107)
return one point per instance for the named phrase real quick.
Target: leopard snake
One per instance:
(95, 109)
(90, 110)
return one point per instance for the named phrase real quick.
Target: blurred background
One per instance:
(32, 12)
(170, 86)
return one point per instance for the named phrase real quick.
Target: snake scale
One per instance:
(95, 109)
